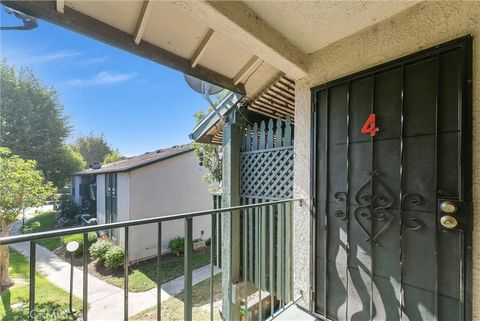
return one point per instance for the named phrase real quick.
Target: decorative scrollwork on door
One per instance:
(373, 200)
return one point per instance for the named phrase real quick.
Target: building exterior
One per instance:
(163, 182)
(373, 237)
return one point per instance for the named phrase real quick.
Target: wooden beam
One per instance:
(247, 69)
(245, 27)
(277, 99)
(285, 86)
(202, 48)
(273, 104)
(142, 20)
(91, 27)
(273, 89)
(60, 5)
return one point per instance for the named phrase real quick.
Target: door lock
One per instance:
(448, 207)
(448, 221)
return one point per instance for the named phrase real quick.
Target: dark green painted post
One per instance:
(187, 277)
(231, 221)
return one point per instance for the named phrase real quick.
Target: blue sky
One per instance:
(138, 105)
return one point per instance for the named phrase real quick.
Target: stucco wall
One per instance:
(171, 186)
(419, 27)
(101, 198)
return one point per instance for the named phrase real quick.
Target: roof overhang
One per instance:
(243, 46)
(205, 131)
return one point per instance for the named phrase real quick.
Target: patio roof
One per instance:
(242, 46)
(278, 100)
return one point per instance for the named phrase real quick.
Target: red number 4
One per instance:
(369, 127)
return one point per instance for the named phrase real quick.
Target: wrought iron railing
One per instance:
(280, 206)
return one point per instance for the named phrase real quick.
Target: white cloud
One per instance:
(91, 61)
(22, 59)
(102, 78)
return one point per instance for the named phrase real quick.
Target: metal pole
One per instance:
(31, 303)
(125, 271)
(212, 262)
(70, 310)
(85, 277)
(187, 293)
(159, 279)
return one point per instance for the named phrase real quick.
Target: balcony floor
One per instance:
(294, 313)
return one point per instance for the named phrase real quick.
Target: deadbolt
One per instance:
(448, 221)
(448, 207)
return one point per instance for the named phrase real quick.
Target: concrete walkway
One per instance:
(105, 300)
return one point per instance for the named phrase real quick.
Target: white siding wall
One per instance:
(123, 201)
(169, 187)
(76, 183)
(101, 198)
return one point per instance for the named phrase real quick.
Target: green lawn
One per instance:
(47, 222)
(172, 309)
(50, 300)
(143, 277)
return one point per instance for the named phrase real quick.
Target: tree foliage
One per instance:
(112, 157)
(210, 157)
(22, 185)
(33, 125)
(92, 148)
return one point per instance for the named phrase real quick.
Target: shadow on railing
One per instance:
(188, 282)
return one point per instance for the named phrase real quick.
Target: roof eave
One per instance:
(211, 121)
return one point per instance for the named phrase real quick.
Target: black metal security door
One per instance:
(392, 190)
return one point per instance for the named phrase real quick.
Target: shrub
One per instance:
(99, 249)
(44, 311)
(68, 207)
(31, 226)
(92, 237)
(114, 257)
(177, 245)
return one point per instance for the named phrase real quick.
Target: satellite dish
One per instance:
(29, 22)
(206, 89)
(201, 86)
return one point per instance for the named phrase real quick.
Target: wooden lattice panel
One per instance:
(267, 173)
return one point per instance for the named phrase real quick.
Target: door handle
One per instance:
(453, 214)
(448, 222)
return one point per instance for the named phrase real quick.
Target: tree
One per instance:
(92, 148)
(33, 125)
(210, 157)
(76, 162)
(22, 185)
(112, 157)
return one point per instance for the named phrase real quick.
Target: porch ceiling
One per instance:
(242, 46)
(312, 25)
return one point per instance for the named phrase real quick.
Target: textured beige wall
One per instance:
(172, 186)
(419, 27)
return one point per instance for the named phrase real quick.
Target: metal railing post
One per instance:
(159, 279)
(271, 249)
(31, 302)
(212, 262)
(260, 261)
(125, 275)
(187, 292)
(257, 252)
(85, 278)
(245, 253)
